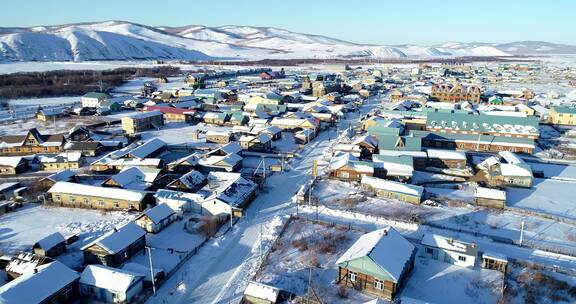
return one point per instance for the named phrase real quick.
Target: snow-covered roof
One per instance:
(386, 247)
(511, 157)
(192, 178)
(495, 256)
(515, 170)
(51, 240)
(490, 193)
(262, 291)
(142, 115)
(136, 178)
(383, 184)
(64, 175)
(158, 213)
(10, 161)
(108, 278)
(230, 188)
(37, 287)
(95, 191)
(147, 148)
(446, 154)
(118, 239)
(450, 244)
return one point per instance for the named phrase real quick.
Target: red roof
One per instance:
(167, 110)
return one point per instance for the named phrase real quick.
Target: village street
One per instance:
(221, 269)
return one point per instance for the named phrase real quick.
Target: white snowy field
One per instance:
(16, 67)
(58, 126)
(556, 171)
(437, 282)
(546, 195)
(19, 230)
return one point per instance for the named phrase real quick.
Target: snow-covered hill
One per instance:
(118, 40)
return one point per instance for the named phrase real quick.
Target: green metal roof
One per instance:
(482, 122)
(564, 110)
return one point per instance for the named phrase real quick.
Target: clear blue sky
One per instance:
(368, 21)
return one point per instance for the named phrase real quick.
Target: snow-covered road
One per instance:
(221, 269)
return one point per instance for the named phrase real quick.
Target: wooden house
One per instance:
(62, 176)
(219, 137)
(110, 285)
(492, 198)
(393, 190)
(11, 165)
(62, 161)
(52, 283)
(51, 114)
(157, 218)
(116, 247)
(494, 261)
(258, 143)
(378, 263)
(85, 148)
(216, 118)
(171, 113)
(31, 143)
(134, 178)
(184, 164)
(349, 168)
(79, 133)
(227, 193)
(225, 163)
(449, 250)
(93, 197)
(51, 245)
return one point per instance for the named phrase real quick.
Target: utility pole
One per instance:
(151, 269)
(522, 231)
(260, 243)
(309, 286)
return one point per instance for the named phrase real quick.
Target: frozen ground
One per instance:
(19, 230)
(61, 125)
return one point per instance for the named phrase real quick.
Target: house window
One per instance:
(57, 198)
(116, 205)
(352, 276)
(101, 203)
(72, 199)
(429, 250)
(378, 284)
(462, 258)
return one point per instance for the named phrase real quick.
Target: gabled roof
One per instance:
(192, 179)
(148, 148)
(118, 239)
(37, 287)
(385, 247)
(392, 186)
(108, 278)
(95, 191)
(95, 95)
(158, 213)
(49, 241)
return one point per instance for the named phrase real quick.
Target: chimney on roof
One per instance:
(384, 232)
(115, 229)
(35, 270)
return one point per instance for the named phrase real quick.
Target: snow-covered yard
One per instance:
(546, 195)
(19, 230)
(437, 282)
(304, 247)
(504, 225)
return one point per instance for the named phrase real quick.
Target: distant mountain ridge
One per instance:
(119, 40)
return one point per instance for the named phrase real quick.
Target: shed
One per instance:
(51, 245)
(155, 219)
(492, 198)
